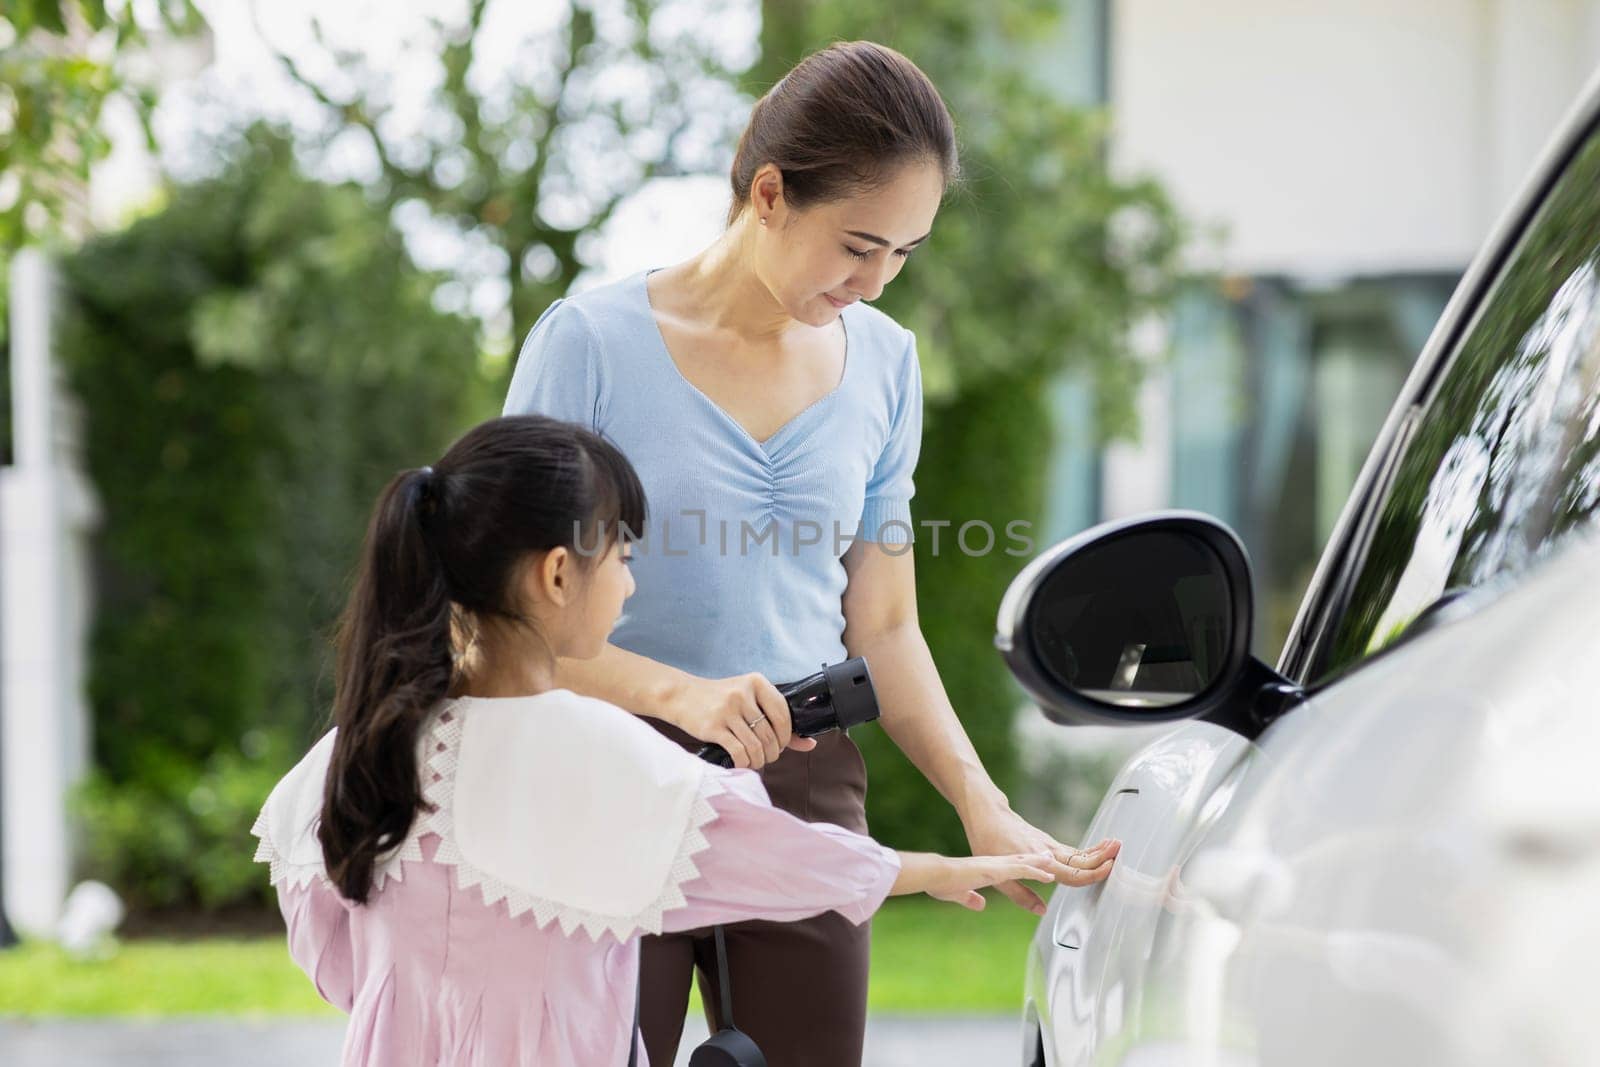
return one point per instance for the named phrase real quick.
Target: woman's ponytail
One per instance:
(394, 665)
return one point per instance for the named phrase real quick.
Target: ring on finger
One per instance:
(757, 721)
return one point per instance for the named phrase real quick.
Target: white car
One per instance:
(1386, 850)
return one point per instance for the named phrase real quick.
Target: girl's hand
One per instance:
(744, 714)
(958, 880)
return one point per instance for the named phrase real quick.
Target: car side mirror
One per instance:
(1141, 621)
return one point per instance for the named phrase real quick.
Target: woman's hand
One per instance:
(1001, 831)
(959, 879)
(744, 714)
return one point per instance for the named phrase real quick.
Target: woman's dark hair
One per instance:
(443, 549)
(841, 122)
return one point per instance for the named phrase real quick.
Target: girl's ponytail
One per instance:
(443, 552)
(395, 663)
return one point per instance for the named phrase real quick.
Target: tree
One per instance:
(1040, 264)
(536, 159)
(285, 359)
(53, 90)
(52, 93)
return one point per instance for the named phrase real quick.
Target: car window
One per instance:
(1506, 455)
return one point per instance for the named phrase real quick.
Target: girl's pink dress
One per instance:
(430, 974)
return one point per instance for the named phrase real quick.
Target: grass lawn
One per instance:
(926, 957)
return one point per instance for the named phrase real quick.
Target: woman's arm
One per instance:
(713, 709)
(880, 610)
(881, 625)
(630, 681)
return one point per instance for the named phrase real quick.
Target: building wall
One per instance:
(1342, 160)
(1349, 137)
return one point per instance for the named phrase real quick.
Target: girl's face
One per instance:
(818, 261)
(599, 601)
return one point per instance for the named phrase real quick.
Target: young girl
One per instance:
(466, 862)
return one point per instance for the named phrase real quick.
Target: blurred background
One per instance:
(255, 257)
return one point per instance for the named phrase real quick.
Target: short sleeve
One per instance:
(762, 863)
(886, 513)
(559, 371)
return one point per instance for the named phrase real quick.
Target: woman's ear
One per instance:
(766, 191)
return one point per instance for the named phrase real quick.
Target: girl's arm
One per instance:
(319, 940)
(958, 879)
(763, 863)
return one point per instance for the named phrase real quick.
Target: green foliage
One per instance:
(52, 92)
(611, 97)
(51, 97)
(1040, 262)
(255, 362)
(178, 832)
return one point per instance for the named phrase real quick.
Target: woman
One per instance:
(775, 421)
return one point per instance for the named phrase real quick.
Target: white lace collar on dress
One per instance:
(558, 804)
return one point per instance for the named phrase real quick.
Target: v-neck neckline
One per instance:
(765, 447)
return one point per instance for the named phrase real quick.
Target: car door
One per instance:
(1091, 942)
(1351, 900)
(1247, 920)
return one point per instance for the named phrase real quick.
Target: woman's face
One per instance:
(818, 261)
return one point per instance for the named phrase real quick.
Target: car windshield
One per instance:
(1506, 455)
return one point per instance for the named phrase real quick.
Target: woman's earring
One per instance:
(763, 222)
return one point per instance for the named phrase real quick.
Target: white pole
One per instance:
(42, 734)
(32, 392)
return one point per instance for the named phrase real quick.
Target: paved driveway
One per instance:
(983, 1041)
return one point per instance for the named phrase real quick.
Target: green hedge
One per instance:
(255, 361)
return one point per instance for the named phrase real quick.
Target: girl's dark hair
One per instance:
(842, 121)
(442, 550)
